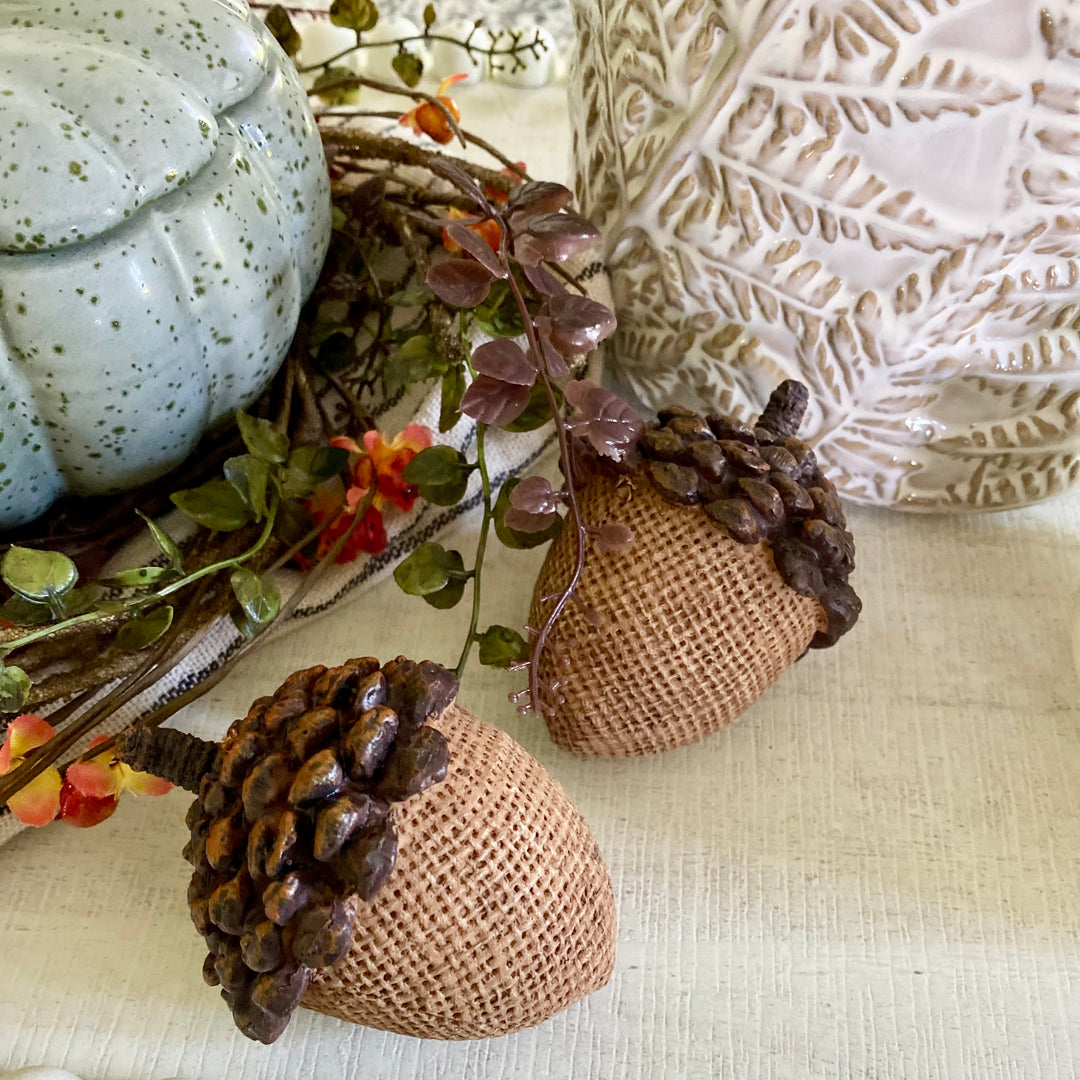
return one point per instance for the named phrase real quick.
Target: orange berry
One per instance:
(432, 121)
(488, 230)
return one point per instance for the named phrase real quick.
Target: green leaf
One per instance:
(168, 545)
(429, 16)
(339, 95)
(440, 473)
(250, 476)
(537, 413)
(14, 689)
(308, 467)
(415, 294)
(453, 390)
(114, 607)
(215, 505)
(500, 647)
(258, 596)
(417, 360)
(358, 15)
(81, 600)
(247, 628)
(498, 315)
(138, 578)
(409, 68)
(519, 541)
(451, 593)
(435, 466)
(292, 522)
(23, 612)
(280, 25)
(262, 438)
(427, 569)
(37, 575)
(145, 629)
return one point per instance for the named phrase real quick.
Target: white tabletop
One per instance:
(875, 873)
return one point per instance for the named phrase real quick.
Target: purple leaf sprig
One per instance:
(512, 382)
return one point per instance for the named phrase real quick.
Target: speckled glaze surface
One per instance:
(876, 197)
(164, 210)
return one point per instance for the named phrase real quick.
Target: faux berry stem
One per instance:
(571, 491)
(177, 756)
(481, 547)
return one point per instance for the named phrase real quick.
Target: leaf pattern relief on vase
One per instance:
(877, 197)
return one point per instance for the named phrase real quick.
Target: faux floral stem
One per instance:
(39, 760)
(236, 560)
(52, 628)
(353, 82)
(571, 497)
(481, 547)
(153, 598)
(491, 51)
(162, 650)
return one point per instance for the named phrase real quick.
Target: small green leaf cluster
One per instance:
(254, 486)
(254, 482)
(45, 591)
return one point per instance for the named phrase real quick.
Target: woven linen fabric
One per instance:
(507, 454)
(695, 627)
(499, 913)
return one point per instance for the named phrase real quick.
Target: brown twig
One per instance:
(369, 146)
(354, 82)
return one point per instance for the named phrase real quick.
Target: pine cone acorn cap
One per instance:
(761, 483)
(294, 824)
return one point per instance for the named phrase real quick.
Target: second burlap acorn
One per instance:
(739, 564)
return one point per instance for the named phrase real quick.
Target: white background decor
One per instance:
(878, 197)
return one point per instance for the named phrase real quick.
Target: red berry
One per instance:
(82, 811)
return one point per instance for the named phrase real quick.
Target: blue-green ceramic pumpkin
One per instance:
(164, 210)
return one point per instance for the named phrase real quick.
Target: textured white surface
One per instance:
(875, 873)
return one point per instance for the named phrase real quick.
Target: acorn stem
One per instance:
(177, 756)
(785, 409)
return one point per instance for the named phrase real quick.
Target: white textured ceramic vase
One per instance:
(878, 197)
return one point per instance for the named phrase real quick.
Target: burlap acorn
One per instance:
(675, 637)
(367, 848)
(499, 914)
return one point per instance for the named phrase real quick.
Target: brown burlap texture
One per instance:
(499, 913)
(695, 627)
